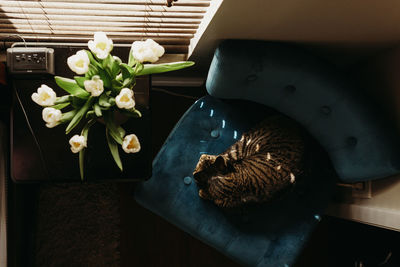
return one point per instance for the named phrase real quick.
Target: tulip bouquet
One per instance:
(105, 87)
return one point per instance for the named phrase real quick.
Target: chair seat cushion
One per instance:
(263, 235)
(358, 135)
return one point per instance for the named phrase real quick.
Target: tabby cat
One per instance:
(260, 167)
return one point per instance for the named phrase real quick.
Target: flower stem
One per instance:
(63, 99)
(66, 117)
(85, 133)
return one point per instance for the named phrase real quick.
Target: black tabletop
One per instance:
(45, 154)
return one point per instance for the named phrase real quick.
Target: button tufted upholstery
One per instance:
(268, 235)
(361, 145)
(286, 78)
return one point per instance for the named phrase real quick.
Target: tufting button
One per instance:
(290, 88)
(351, 141)
(187, 180)
(326, 110)
(251, 78)
(214, 133)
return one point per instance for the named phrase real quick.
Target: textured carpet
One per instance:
(78, 225)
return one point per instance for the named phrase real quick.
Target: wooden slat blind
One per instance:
(124, 21)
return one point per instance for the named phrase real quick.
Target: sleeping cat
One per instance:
(265, 162)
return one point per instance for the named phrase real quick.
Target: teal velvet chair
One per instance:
(247, 81)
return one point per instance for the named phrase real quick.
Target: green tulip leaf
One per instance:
(115, 68)
(166, 67)
(115, 134)
(61, 106)
(112, 128)
(77, 102)
(67, 116)
(97, 110)
(114, 150)
(71, 87)
(93, 61)
(103, 100)
(127, 71)
(105, 77)
(85, 130)
(106, 61)
(129, 82)
(116, 86)
(63, 99)
(80, 81)
(93, 70)
(139, 67)
(79, 115)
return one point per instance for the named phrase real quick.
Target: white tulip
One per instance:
(125, 99)
(77, 142)
(131, 144)
(147, 51)
(79, 63)
(94, 86)
(51, 116)
(45, 96)
(101, 46)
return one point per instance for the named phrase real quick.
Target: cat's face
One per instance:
(204, 169)
(208, 167)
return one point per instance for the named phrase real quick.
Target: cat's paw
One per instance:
(203, 194)
(220, 203)
(227, 203)
(249, 199)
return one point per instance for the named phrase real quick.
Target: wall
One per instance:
(379, 77)
(351, 28)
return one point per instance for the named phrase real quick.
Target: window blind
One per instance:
(124, 21)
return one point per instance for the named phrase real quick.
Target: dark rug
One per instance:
(78, 225)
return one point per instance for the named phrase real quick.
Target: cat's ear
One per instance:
(220, 163)
(203, 157)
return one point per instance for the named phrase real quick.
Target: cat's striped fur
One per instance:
(259, 167)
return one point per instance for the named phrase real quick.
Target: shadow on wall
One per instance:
(9, 34)
(380, 78)
(9, 31)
